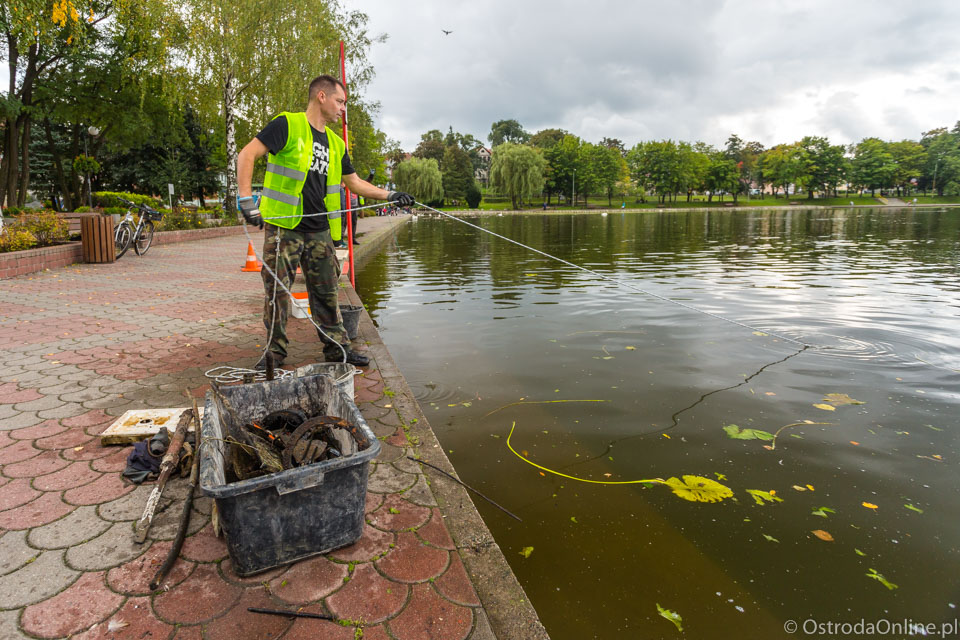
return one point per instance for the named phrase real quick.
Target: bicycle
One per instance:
(139, 234)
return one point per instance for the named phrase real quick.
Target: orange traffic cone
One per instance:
(252, 263)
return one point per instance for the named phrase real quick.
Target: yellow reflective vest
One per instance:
(281, 201)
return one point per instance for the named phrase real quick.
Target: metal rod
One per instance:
(457, 480)
(292, 614)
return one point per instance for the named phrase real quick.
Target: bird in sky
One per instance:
(445, 32)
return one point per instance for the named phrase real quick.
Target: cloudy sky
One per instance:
(768, 70)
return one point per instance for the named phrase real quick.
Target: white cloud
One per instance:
(695, 70)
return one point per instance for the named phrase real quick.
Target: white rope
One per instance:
(619, 282)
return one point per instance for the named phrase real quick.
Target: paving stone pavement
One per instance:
(81, 345)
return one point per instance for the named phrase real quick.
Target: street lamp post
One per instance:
(93, 131)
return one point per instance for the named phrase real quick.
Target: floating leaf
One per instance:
(573, 519)
(769, 393)
(526, 552)
(720, 476)
(770, 538)
(735, 432)
(855, 443)
(913, 508)
(858, 552)
(879, 578)
(822, 512)
(672, 616)
(826, 407)
(839, 399)
(467, 404)
(810, 486)
(699, 489)
(799, 488)
(630, 348)
(869, 505)
(667, 436)
(763, 497)
(823, 535)
(759, 333)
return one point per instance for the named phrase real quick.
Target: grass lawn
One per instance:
(504, 204)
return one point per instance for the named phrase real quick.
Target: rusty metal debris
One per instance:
(288, 439)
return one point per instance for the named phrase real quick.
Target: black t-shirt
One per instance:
(274, 137)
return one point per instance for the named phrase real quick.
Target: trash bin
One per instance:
(96, 238)
(282, 517)
(351, 319)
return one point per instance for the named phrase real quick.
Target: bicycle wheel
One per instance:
(122, 237)
(146, 237)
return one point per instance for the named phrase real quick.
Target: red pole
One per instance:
(346, 141)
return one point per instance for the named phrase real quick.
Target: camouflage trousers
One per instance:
(283, 251)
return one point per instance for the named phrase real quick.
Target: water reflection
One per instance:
(476, 323)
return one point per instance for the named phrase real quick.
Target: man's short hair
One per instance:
(324, 83)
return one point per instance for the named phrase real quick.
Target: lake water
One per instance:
(478, 325)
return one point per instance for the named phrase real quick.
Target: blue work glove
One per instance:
(400, 198)
(249, 207)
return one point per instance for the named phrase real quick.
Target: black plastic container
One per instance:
(351, 319)
(283, 517)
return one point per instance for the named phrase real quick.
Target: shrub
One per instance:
(16, 238)
(82, 209)
(111, 199)
(47, 227)
(13, 211)
(181, 220)
(473, 195)
(114, 210)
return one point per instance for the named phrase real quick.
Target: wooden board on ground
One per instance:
(139, 424)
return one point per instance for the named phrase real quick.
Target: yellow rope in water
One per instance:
(536, 402)
(563, 475)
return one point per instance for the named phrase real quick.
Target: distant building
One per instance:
(482, 172)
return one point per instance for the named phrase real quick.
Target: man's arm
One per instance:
(363, 188)
(248, 155)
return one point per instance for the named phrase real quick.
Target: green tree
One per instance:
(517, 170)
(656, 166)
(563, 162)
(910, 157)
(431, 146)
(546, 138)
(872, 165)
(421, 178)
(783, 166)
(507, 131)
(233, 63)
(942, 164)
(823, 166)
(41, 41)
(457, 173)
(605, 169)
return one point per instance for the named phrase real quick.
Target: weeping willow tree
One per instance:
(421, 178)
(253, 63)
(517, 170)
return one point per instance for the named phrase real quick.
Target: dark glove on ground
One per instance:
(250, 210)
(401, 198)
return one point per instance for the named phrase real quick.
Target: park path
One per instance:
(81, 345)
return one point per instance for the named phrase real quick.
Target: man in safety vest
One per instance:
(306, 163)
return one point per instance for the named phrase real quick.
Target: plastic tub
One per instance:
(351, 319)
(340, 372)
(283, 517)
(300, 305)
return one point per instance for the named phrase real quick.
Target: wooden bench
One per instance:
(73, 218)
